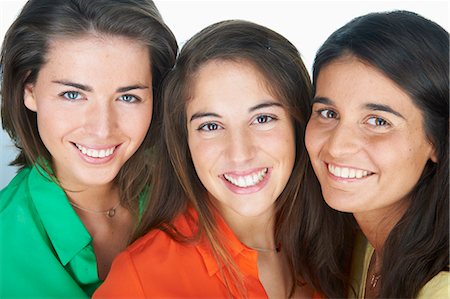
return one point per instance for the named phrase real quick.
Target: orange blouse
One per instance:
(157, 266)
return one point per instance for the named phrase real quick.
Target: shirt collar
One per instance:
(65, 230)
(245, 257)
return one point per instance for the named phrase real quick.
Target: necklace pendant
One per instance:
(111, 213)
(374, 280)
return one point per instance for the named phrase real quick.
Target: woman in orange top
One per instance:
(223, 219)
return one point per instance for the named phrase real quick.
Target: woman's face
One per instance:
(365, 138)
(93, 99)
(241, 138)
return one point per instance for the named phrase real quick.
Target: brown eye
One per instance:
(209, 127)
(377, 121)
(326, 113)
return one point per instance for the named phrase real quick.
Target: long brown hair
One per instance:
(413, 52)
(24, 53)
(177, 186)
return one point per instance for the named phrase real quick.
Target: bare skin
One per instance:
(110, 235)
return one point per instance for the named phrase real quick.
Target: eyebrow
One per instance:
(251, 109)
(370, 106)
(90, 89)
(322, 100)
(385, 108)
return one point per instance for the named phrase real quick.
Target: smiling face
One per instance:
(93, 99)
(240, 137)
(365, 138)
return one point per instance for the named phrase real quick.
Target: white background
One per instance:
(305, 23)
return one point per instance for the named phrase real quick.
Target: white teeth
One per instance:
(347, 173)
(95, 153)
(248, 180)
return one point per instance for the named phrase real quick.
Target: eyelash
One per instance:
(324, 113)
(212, 126)
(207, 127)
(267, 119)
(68, 95)
(320, 112)
(135, 99)
(376, 119)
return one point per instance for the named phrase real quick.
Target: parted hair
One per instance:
(177, 186)
(413, 52)
(24, 51)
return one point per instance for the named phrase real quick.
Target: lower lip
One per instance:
(250, 189)
(97, 161)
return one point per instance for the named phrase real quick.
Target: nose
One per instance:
(344, 140)
(100, 119)
(240, 145)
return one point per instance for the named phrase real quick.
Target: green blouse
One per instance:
(45, 252)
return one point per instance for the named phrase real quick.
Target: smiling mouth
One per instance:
(246, 180)
(348, 173)
(93, 153)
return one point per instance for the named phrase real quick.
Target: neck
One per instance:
(378, 224)
(255, 232)
(95, 198)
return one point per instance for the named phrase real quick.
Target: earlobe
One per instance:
(433, 156)
(28, 97)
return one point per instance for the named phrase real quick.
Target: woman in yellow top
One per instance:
(77, 100)
(378, 141)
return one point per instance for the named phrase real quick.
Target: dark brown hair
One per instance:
(24, 53)
(414, 53)
(177, 185)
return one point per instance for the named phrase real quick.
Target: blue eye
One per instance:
(377, 121)
(209, 127)
(71, 95)
(327, 113)
(128, 98)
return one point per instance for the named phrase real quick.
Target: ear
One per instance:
(29, 99)
(433, 155)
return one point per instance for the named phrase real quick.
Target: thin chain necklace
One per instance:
(109, 213)
(276, 249)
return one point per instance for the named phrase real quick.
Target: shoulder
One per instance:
(15, 191)
(437, 287)
(149, 266)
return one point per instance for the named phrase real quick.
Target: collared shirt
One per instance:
(46, 252)
(438, 287)
(158, 266)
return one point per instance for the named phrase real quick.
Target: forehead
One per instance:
(352, 81)
(87, 57)
(226, 73)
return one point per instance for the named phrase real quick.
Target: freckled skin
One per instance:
(394, 148)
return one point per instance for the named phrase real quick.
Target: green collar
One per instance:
(65, 230)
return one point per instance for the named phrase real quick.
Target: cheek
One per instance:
(137, 124)
(312, 139)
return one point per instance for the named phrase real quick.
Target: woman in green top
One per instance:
(378, 142)
(78, 91)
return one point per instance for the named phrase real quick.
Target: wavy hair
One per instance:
(24, 53)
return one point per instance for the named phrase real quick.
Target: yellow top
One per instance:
(438, 287)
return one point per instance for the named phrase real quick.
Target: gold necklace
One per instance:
(109, 213)
(374, 280)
